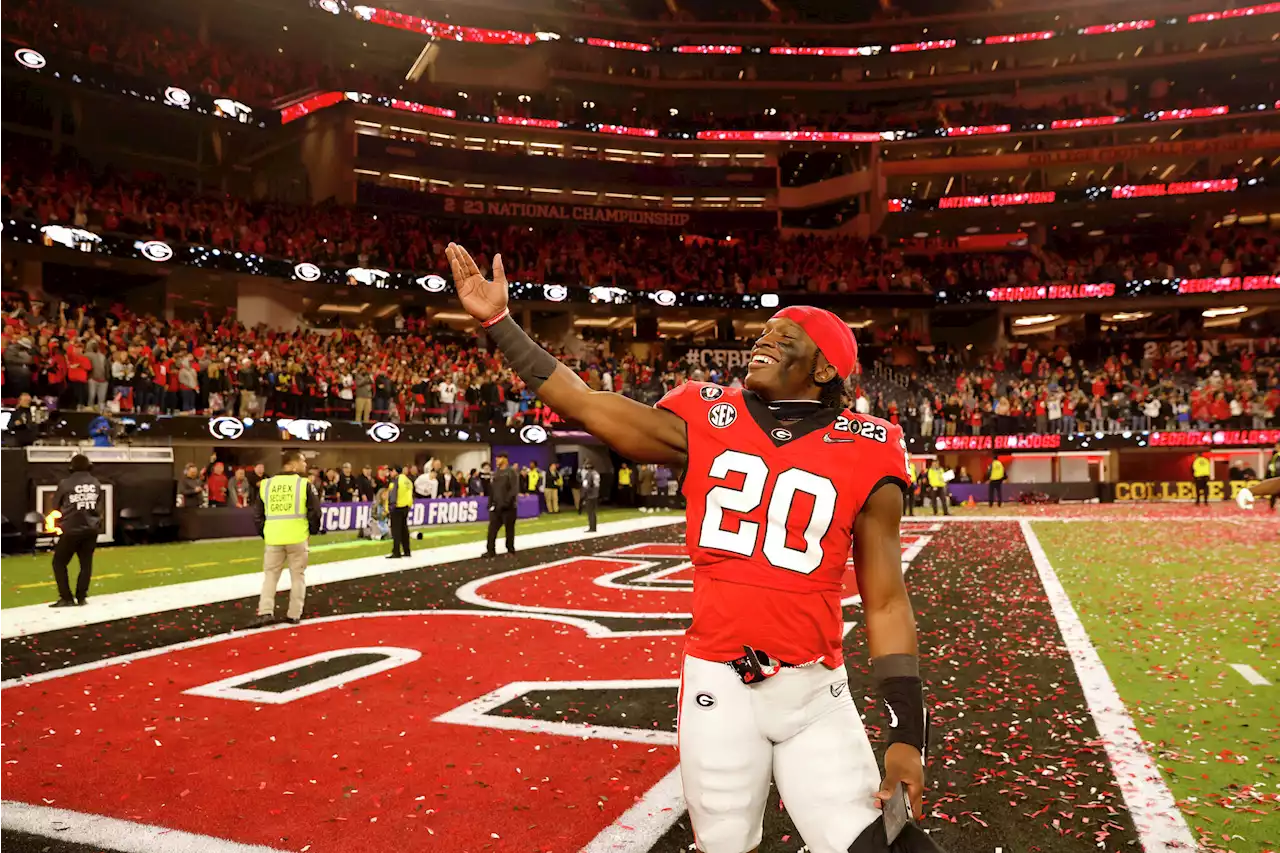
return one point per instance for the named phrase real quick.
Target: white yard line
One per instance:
(38, 618)
(640, 827)
(1160, 824)
(110, 833)
(1251, 675)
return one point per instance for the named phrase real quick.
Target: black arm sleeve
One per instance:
(313, 509)
(534, 364)
(259, 510)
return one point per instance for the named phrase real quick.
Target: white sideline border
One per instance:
(39, 618)
(1160, 824)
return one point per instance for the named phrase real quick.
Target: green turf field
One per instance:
(1169, 607)
(28, 579)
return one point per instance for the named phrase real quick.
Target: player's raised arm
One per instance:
(637, 431)
(891, 636)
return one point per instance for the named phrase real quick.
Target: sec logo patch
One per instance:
(712, 392)
(722, 414)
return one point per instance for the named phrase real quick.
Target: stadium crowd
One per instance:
(633, 258)
(241, 70)
(113, 360)
(123, 362)
(1129, 256)
(146, 206)
(1023, 388)
(151, 49)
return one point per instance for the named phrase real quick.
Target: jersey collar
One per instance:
(778, 432)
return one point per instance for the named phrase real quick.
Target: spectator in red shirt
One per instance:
(216, 482)
(1221, 409)
(78, 366)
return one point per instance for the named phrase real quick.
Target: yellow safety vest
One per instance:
(1202, 467)
(997, 470)
(533, 480)
(404, 491)
(624, 477)
(911, 472)
(285, 498)
(936, 478)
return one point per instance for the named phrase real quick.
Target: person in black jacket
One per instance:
(76, 517)
(504, 490)
(365, 485)
(590, 480)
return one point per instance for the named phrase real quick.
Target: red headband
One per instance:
(832, 335)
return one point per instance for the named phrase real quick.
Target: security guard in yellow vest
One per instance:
(1201, 471)
(288, 514)
(399, 502)
(937, 487)
(995, 482)
(626, 494)
(909, 494)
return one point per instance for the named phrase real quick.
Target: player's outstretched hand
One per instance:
(483, 299)
(902, 764)
(1244, 499)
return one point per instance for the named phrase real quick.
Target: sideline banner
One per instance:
(1095, 441)
(424, 513)
(1179, 490)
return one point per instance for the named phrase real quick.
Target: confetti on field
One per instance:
(1016, 761)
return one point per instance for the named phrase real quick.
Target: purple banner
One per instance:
(425, 512)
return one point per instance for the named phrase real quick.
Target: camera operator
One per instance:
(24, 423)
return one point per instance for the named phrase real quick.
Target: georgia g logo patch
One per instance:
(722, 414)
(711, 392)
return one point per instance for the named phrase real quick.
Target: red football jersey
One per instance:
(771, 508)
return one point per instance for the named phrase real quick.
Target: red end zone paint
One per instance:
(674, 550)
(570, 587)
(633, 581)
(357, 768)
